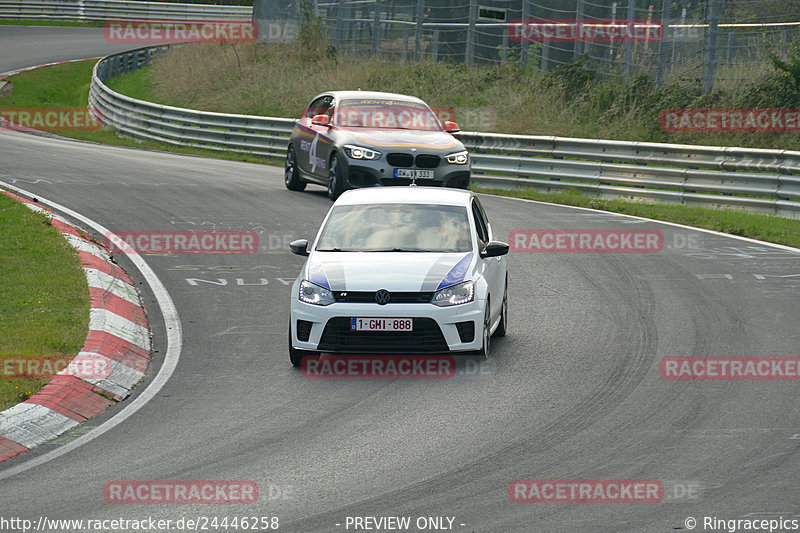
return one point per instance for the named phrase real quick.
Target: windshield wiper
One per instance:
(329, 249)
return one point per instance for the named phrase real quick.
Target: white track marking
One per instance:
(712, 232)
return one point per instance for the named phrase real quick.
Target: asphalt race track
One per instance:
(25, 46)
(573, 392)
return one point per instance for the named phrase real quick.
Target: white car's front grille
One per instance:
(394, 297)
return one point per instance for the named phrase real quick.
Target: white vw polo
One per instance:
(400, 270)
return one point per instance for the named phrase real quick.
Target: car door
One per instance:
(312, 157)
(493, 267)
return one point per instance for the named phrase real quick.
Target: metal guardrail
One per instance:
(99, 10)
(174, 125)
(766, 181)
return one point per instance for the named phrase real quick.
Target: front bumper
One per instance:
(361, 173)
(435, 328)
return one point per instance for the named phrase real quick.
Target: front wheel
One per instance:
(502, 327)
(335, 178)
(292, 174)
(295, 355)
(486, 346)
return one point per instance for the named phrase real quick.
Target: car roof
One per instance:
(349, 95)
(406, 195)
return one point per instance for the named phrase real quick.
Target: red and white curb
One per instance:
(118, 335)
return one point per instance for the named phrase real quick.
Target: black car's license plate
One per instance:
(412, 173)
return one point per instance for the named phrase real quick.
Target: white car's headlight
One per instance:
(458, 158)
(457, 294)
(359, 152)
(311, 293)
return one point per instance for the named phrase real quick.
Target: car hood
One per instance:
(437, 141)
(393, 271)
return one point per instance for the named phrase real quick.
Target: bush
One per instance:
(782, 89)
(572, 78)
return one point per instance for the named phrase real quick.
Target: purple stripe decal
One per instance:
(444, 263)
(457, 273)
(316, 274)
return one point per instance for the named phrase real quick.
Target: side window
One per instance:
(320, 106)
(485, 219)
(480, 225)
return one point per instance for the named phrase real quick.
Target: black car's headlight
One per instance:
(458, 158)
(311, 293)
(457, 294)
(359, 152)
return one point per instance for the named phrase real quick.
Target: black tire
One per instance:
(486, 346)
(292, 173)
(502, 327)
(295, 355)
(336, 181)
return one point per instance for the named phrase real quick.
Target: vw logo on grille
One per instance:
(382, 297)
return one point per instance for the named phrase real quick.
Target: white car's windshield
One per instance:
(389, 114)
(396, 228)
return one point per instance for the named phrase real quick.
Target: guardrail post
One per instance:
(628, 43)
(578, 48)
(504, 49)
(469, 48)
(523, 53)
(436, 45)
(662, 45)
(418, 33)
(338, 36)
(728, 55)
(544, 64)
(711, 46)
(135, 64)
(405, 44)
(376, 29)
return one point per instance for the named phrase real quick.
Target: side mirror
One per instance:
(320, 120)
(495, 249)
(300, 247)
(451, 127)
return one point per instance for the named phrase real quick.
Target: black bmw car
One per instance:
(354, 139)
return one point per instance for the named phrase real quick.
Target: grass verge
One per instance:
(44, 310)
(572, 101)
